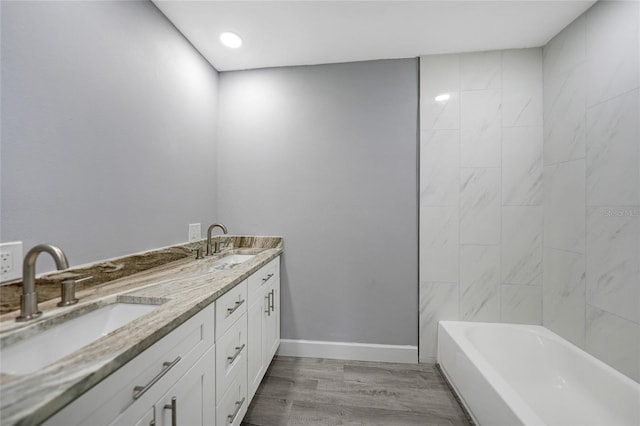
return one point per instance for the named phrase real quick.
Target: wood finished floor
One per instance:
(311, 391)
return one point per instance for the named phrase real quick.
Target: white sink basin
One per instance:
(48, 346)
(225, 263)
(231, 261)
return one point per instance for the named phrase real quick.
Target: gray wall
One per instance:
(592, 184)
(326, 157)
(108, 129)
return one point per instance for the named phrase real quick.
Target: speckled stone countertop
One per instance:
(182, 287)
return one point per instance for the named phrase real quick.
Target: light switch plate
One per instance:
(195, 233)
(10, 261)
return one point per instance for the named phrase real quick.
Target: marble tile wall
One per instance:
(591, 283)
(530, 204)
(481, 190)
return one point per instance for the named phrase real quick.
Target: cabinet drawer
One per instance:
(230, 307)
(262, 276)
(194, 400)
(231, 356)
(233, 405)
(165, 362)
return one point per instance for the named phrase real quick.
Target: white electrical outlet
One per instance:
(10, 261)
(195, 234)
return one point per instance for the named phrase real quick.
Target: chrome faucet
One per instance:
(217, 245)
(29, 299)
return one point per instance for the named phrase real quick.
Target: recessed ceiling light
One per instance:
(443, 97)
(231, 40)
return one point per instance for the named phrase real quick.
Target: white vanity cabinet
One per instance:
(205, 372)
(179, 365)
(263, 328)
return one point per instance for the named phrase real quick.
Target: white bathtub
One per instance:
(508, 374)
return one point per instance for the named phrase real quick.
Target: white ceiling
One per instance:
(284, 33)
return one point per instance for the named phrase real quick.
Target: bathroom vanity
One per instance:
(196, 357)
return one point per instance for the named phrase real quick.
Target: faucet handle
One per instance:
(199, 253)
(68, 291)
(220, 243)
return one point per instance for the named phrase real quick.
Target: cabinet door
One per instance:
(272, 319)
(130, 417)
(275, 339)
(233, 405)
(255, 347)
(194, 393)
(266, 321)
(148, 419)
(231, 356)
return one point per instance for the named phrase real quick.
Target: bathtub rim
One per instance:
(548, 333)
(456, 332)
(513, 402)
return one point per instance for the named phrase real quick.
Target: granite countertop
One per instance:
(182, 287)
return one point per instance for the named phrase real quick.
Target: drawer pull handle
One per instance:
(153, 420)
(268, 311)
(264, 280)
(235, 307)
(138, 391)
(236, 355)
(174, 411)
(272, 300)
(232, 417)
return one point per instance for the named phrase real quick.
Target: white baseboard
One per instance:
(349, 351)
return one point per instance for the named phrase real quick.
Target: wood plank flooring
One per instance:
(312, 391)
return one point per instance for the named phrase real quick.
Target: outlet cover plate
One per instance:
(195, 232)
(10, 261)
